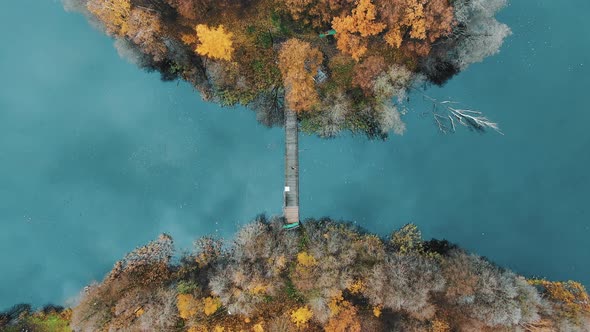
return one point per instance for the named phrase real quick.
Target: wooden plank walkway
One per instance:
(291, 191)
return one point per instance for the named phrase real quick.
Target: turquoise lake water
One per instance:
(97, 157)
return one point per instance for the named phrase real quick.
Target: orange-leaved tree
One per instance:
(299, 63)
(318, 13)
(346, 320)
(140, 25)
(569, 298)
(361, 21)
(419, 20)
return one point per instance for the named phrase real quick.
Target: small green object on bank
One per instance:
(291, 226)
(328, 33)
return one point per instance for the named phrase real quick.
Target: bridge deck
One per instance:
(291, 195)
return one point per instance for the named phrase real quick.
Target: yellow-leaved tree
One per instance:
(301, 316)
(299, 63)
(215, 43)
(112, 13)
(187, 306)
(211, 304)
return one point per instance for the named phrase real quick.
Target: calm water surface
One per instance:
(97, 157)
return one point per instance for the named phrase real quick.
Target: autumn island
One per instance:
(320, 67)
(322, 276)
(339, 64)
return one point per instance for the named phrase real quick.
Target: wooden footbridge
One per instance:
(291, 191)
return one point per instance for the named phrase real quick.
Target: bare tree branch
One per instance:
(444, 115)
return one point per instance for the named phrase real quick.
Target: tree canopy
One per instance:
(299, 62)
(325, 276)
(271, 54)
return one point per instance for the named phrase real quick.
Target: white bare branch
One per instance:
(472, 119)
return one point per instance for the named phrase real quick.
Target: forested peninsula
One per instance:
(340, 64)
(322, 276)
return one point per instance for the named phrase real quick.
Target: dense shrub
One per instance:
(50, 318)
